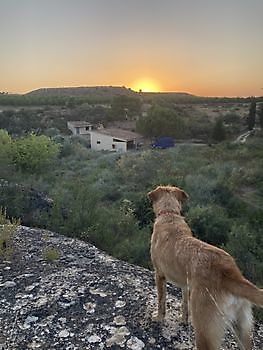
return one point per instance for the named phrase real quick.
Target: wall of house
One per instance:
(81, 130)
(101, 142)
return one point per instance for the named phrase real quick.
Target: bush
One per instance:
(246, 245)
(7, 231)
(210, 224)
(5, 147)
(161, 121)
(219, 131)
(34, 153)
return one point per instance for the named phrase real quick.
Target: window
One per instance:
(113, 146)
(98, 142)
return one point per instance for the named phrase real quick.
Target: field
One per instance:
(101, 197)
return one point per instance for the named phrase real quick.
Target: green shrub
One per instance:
(51, 254)
(210, 223)
(5, 147)
(34, 153)
(246, 245)
(7, 232)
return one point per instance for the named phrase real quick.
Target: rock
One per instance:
(31, 319)
(135, 344)
(118, 337)
(8, 284)
(119, 321)
(120, 303)
(94, 339)
(63, 334)
(85, 300)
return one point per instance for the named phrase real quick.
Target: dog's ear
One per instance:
(182, 195)
(153, 195)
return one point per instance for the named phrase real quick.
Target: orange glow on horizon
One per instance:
(146, 85)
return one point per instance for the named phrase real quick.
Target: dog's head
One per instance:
(167, 198)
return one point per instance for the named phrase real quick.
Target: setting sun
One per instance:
(146, 85)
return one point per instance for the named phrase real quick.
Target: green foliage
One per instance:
(252, 114)
(260, 116)
(51, 254)
(123, 107)
(246, 245)
(101, 197)
(219, 131)
(210, 223)
(161, 121)
(7, 231)
(34, 153)
(62, 100)
(5, 147)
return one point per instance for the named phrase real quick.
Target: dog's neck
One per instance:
(170, 212)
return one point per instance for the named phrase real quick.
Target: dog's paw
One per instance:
(157, 318)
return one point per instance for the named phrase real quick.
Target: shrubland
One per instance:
(101, 196)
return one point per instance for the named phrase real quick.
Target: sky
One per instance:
(203, 47)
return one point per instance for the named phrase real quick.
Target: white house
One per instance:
(113, 139)
(80, 127)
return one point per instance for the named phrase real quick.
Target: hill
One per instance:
(103, 91)
(91, 91)
(83, 298)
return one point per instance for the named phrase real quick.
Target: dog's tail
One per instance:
(247, 290)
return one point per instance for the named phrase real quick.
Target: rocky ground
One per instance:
(61, 293)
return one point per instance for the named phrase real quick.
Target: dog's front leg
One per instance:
(185, 305)
(161, 293)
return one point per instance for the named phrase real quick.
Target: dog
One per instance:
(213, 288)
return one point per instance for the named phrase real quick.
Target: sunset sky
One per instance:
(204, 47)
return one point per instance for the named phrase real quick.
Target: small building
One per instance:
(114, 139)
(80, 127)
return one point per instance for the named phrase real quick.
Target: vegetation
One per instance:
(161, 121)
(28, 154)
(260, 116)
(219, 131)
(101, 197)
(252, 114)
(7, 231)
(53, 181)
(124, 107)
(34, 153)
(51, 254)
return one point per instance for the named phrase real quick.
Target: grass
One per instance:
(7, 231)
(51, 254)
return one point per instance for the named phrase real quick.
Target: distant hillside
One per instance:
(91, 91)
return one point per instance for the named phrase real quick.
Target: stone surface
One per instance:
(84, 300)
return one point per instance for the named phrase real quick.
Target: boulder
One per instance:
(82, 298)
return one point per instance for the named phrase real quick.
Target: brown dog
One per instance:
(219, 295)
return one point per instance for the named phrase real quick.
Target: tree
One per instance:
(5, 146)
(219, 131)
(34, 153)
(161, 121)
(260, 115)
(252, 114)
(124, 106)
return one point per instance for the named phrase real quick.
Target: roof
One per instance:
(119, 133)
(79, 124)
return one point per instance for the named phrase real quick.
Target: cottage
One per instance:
(113, 139)
(80, 127)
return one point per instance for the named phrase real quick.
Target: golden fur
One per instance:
(217, 292)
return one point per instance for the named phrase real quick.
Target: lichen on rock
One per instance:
(84, 300)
